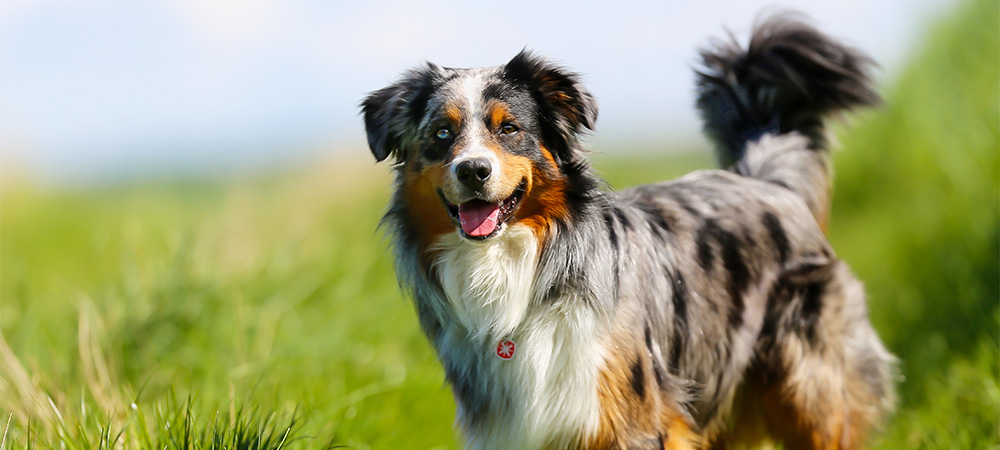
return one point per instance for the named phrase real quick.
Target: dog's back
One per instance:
(763, 322)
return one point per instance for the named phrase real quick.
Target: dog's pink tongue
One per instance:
(478, 218)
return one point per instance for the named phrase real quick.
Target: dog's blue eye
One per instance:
(443, 134)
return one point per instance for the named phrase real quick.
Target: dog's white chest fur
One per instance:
(489, 283)
(546, 395)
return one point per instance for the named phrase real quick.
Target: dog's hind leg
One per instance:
(829, 379)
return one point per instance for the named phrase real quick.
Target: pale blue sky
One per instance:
(105, 88)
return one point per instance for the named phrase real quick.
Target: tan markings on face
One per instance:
(498, 113)
(545, 199)
(481, 138)
(426, 212)
(454, 115)
(514, 168)
(560, 96)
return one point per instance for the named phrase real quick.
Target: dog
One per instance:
(705, 312)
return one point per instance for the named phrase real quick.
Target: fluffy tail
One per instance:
(764, 106)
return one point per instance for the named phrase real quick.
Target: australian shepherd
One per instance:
(705, 312)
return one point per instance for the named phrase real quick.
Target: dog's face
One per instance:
(480, 148)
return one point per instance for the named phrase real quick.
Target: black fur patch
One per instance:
(789, 76)
(572, 281)
(623, 218)
(655, 218)
(565, 108)
(638, 379)
(496, 90)
(706, 259)
(612, 234)
(429, 321)
(812, 305)
(398, 107)
(739, 276)
(658, 375)
(777, 234)
(682, 201)
(680, 302)
(583, 195)
(732, 261)
(466, 384)
(609, 220)
(418, 105)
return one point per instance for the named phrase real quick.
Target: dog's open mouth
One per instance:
(479, 219)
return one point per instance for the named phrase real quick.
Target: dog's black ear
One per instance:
(565, 107)
(394, 110)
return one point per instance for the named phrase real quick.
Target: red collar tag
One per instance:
(505, 349)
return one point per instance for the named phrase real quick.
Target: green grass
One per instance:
(263, 312)
(916, 214)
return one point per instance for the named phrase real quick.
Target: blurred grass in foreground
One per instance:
(263, 312)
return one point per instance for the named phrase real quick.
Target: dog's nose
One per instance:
(473, 172)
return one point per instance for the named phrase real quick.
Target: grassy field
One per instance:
(262, 312)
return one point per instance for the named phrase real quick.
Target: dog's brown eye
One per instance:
(508, 128)
(443, 134)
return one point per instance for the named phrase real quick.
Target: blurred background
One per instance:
(188, 208)
(107, 90)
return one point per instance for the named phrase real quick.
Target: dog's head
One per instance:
(478, 148)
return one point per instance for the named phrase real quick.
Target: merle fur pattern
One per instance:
(715, 286)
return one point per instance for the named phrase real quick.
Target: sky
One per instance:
(108, 89)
